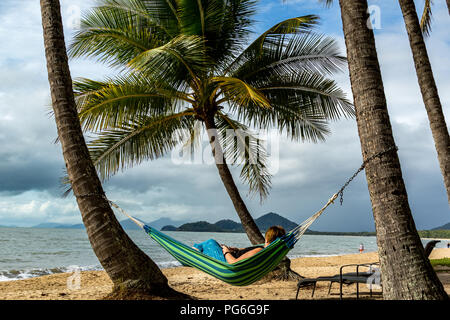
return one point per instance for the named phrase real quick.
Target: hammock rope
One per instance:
(246, 271)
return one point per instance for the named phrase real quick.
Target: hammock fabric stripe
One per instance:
(241, 273)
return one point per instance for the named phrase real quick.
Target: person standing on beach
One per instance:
(361, 248)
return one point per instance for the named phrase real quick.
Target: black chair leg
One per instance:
(329, 288)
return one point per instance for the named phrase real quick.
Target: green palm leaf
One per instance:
(286, 27)
(301, 52)
(239, 92)
(242, 147)
(117, 31)
(425, 21)
(182, 59)
(186, 60)
(108, 104)
(146, 138)
(301, 106)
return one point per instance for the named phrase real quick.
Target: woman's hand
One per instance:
(225, 249)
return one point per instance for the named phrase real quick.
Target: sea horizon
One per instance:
(31, 252)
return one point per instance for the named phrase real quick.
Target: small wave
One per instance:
(10, 275)
(169, 264)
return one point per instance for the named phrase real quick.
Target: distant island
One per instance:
(230, 226)
(263, 223)
(271, 218)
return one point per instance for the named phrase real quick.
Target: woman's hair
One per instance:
(274, 232)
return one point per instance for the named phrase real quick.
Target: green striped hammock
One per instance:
(241, 273)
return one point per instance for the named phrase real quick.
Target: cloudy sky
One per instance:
(31, 165)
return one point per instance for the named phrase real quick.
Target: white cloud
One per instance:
(309, 173)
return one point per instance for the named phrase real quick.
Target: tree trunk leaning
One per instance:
(251, 229)
(428, 89)
(405, 270)
(127, 266)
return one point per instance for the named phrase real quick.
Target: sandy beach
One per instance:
(95, 285)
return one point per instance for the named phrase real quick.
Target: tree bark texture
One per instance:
(251, 229)
(428, 89)
(405, 270)
(124, 262)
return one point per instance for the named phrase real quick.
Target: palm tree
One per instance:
(428, 87)
(127, 266)
(184, 66)
(406, 271)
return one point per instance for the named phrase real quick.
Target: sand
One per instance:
(95, 285)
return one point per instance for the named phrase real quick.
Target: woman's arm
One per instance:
(230, 259)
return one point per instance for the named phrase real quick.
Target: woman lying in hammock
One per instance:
(230, 254)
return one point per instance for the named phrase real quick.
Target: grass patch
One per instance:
(436, 234)
(440, 262)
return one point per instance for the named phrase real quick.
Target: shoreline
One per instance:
(94, 285)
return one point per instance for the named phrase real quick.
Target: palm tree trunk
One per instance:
(250, 227)
(283, 270)
(127, 266)
(428, 89)
(406, 271)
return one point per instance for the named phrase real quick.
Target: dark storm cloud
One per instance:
(29, 175)
(308, 175)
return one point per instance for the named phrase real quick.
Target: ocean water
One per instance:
(28, 252)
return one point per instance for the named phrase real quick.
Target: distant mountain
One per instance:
(201, 226)
(169, 228)
(273, 219)
(443, 227)
(128, 224)
(161, 222)
(229, 226)
(263, 223)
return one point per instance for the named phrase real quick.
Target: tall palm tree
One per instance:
(127, 266)
(428, 88)
(184, 66)
(406, 271)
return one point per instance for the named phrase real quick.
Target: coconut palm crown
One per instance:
(189, 64)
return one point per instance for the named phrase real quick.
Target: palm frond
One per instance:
(328, 3)
(310, 52)
(146, 138)
(287, 27)
(240, 92)
(109, 104)
(425, 21)
(182, 58)
(193, 140)
(242, 147)
(117, 31)
(224, 24)
(301, 106)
